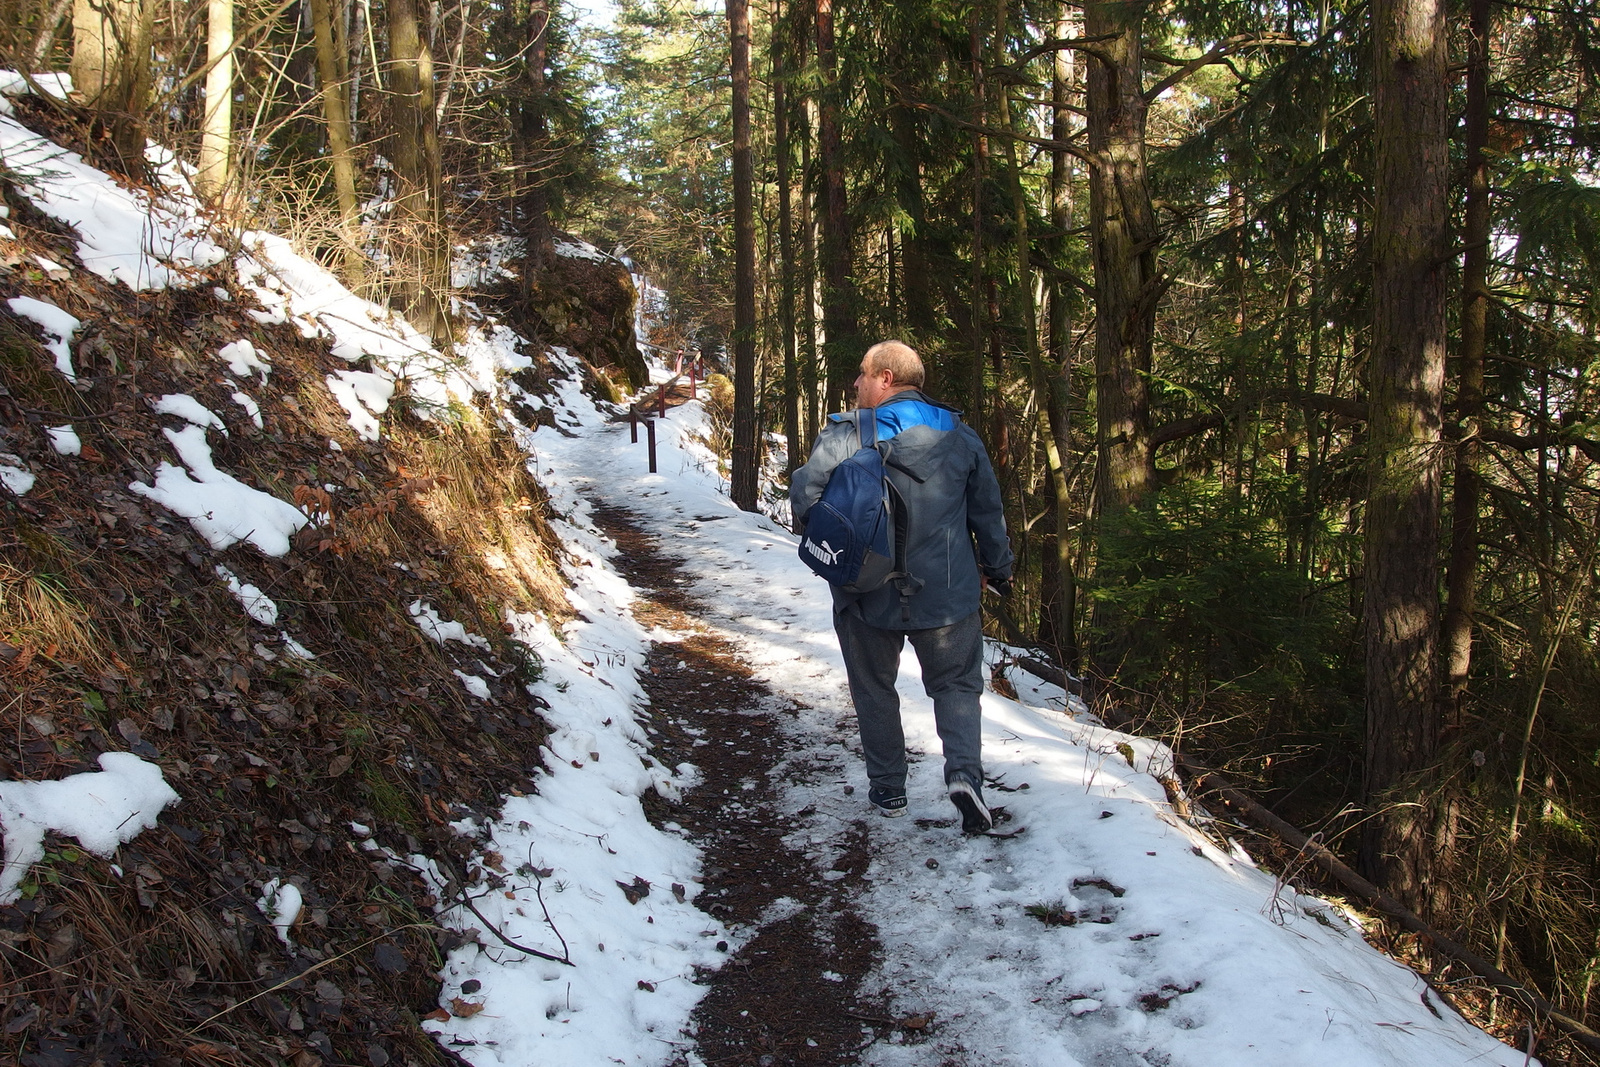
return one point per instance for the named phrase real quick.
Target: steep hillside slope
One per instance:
(268, 540)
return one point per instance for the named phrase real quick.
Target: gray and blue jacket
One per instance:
(956, 527)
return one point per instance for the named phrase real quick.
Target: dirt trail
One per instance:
(791, 994)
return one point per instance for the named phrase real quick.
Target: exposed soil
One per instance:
(791, 993)
(117, 634)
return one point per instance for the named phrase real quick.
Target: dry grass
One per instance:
(476, 498)
(38, 615)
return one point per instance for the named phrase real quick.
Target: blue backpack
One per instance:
(855, 534)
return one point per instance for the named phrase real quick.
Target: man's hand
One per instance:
(1001, 587)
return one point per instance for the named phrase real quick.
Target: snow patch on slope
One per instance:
(102, 809)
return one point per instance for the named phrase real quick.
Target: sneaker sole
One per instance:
(890, 813)
(975, 818)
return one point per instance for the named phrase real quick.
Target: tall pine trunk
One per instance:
(1127, 282)
(745, 459)
(915, 261)
(1126, 276)
(1406, 385)
(810, 304)
(843, 347)
(1058, 625)
(980, 175)
(1456, 631)
(782, 29)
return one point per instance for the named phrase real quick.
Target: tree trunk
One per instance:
(811, 312)
(532, 152)
(915, 263)
(1456, 631)
(423, 259)
(745, 459)
(1127, 279)
(781, 31)
(999, 117)
(216, 124)
(1127, 283)
(843, 348)
(44, 40)
(333, 73)
(111, 68)
(1058, 627)
(1406, 372)
(980, 175)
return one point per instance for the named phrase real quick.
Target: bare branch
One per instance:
(1218, 53)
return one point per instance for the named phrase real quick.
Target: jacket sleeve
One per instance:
(835, 444)
(986, 516)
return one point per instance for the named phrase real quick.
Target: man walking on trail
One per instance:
(952, 502)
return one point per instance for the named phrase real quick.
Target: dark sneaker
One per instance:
(891, 803)
(975, 817)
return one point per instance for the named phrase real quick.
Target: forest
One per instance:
(1277, 319)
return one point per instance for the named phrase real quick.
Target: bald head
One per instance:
(901, 360)
(888, 368)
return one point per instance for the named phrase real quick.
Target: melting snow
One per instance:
(429, 622)
(474, 685)
(244, 359)
(251, 408)
(14, 474)
(221, 508)
(58, 327)
(280, 902)
(188, 409)
(131, 236)
(64, 439)
(256, 604)
(364, 396)
(102, 809)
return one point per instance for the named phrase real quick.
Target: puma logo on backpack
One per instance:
(855, 534)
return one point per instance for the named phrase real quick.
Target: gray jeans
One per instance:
(952, 675)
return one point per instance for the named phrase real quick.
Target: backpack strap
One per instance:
(864, 437)
(903, 581)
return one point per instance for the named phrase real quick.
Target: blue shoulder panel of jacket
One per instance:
(899, 417)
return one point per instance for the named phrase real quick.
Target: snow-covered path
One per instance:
(1176, 949)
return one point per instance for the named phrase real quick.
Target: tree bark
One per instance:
(111, 68)
(980, 175)
(532, 152)
(1058, 626)
(745, 458)
(1127, 279)
(333, 73)
(44, 40)
(216, 124)
(915, 269)
(1406, 372)
(781, 30)
(843, 349)
(810, 304)
(1456, 630)
(1127, 283)
(423, 238)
